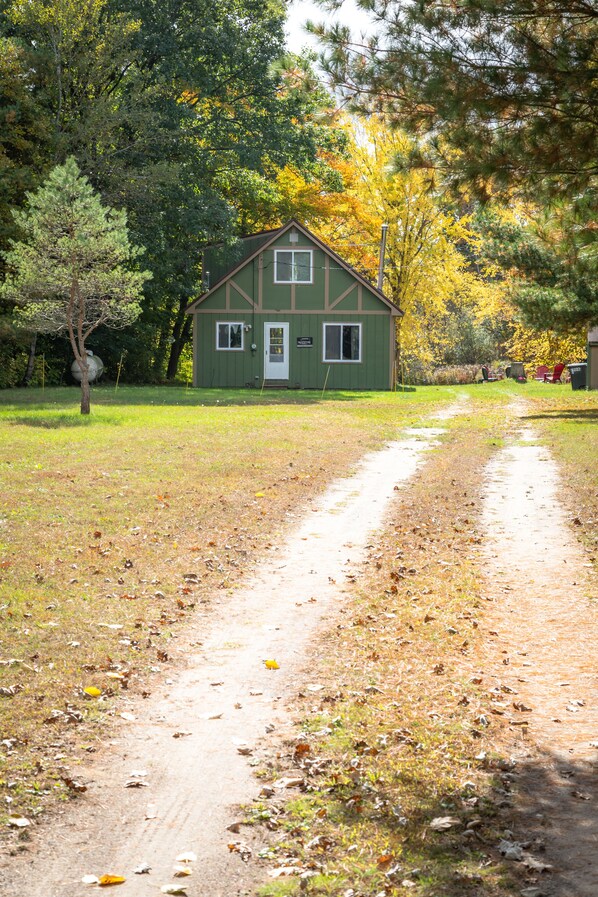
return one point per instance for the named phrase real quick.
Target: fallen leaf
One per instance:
(289, 782)
(442, 823)
(243, 849)
(143, 868)
(187, 857)
(535, 865)
(128, 716)
(105, 880)
(285, 870)
(174, 889)
(73, 784)
(182, 871)
(259, 494)
(511, 850)
(150, 813)
(271, 665)
(9, 691)
(136, 783)
(90, 880)
(18, 821)
(180, 734)
(211, 716)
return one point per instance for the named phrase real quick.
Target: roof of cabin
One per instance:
(232, 259)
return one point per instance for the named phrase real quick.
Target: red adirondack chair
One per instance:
(555, 377)
(541, 372)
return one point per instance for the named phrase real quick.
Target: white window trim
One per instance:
(240, 324)
(311, 266)
(341, 324)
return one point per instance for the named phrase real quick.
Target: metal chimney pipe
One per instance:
(382, 255)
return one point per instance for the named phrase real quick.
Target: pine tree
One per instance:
(72, 271)
(504, 94)
(510, 84)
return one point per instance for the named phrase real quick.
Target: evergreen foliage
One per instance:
(72, 271)
(510, 84)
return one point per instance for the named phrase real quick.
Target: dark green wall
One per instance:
(306, 367)
(303, 307)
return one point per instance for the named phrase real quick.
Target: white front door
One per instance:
(276, 351)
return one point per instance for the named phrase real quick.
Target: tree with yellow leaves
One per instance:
(427, 272)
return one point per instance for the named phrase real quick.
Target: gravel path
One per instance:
(543, 648)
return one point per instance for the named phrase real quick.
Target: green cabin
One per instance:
(289, 312)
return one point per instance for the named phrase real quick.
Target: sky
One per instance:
(299, 11)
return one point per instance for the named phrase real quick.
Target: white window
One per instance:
(342, 342)
(229, 336)
(292, 266)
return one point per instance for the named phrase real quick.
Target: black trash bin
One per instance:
(578, 375)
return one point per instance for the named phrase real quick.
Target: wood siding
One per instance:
(251, 296)
(307, 369)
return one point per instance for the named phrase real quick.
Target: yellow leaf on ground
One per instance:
(111, 880)
(182, 871)
(271, 665)
(92, 691)
(259, 494)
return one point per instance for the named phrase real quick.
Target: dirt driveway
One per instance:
(542, 658)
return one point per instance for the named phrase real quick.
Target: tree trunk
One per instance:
(85, 391)
(26, 378)
(398, 358)
(180, 335)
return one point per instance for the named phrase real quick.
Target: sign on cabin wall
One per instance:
(305, 342)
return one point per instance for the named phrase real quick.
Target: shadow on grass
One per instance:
(544, 805)
(34, 400)
(581, 415)
(49, 421)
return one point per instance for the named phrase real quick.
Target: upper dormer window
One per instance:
(293, 266)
